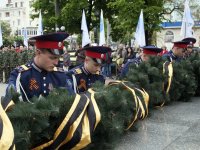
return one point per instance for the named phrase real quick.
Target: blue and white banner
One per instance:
(187, 22)
(102, 40)
(85, 35)
(40, 28)
(25, 37)
(140, 34)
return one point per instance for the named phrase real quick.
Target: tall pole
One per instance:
(185, 30)
(57, 12)
(96, 28)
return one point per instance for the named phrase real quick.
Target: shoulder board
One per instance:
(97, 73)
(61, 58)
(58, 69)
(23, 68)
(77, 71)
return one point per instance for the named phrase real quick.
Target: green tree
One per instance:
(122, 14)
(6, 30)
(69, 13)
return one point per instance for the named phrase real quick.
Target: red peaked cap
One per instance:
(52, 42)
(100, 54)
(191, 41)
(151, 50)
(181, 44)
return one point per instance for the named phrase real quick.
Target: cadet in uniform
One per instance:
(191, 41)
(177, 52)
(40, 76)
(147, 51)
(81, 78)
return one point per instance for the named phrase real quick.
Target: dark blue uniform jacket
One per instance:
(125, 69)
(32, 81)
(171, 57)
(79, 79)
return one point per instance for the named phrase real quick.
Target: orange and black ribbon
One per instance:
(6, 130)
(168, 69)
(78, 125)
(82, 84)
(141, 104)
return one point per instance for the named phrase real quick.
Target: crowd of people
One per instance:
(93, 63)
(47, 71)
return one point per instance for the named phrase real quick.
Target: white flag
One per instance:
(187, 22)
(40, 28)
(140, 34)
(102, 40)
(1, 37)
(25, 37)
(85, 35)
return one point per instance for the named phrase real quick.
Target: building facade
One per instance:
(171, 32)
(18, 14)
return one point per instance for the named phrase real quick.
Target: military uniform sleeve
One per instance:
(15, 76)
(125, 69)
(166, 57)
(12, 78)
(69, 83)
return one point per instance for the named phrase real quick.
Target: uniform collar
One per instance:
(85, 70)
(36, 67)
(173, 56)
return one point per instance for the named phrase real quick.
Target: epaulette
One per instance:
(97, 73)
(58, 69)
(61, 59)
(77, 71)
(23, 68)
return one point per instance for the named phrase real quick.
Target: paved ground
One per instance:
(2, 89)
(173, 127)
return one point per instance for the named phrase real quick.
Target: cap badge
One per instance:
(59, 44)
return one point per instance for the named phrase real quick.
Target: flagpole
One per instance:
(187, 21)
(108, 32)
(85, 35)
(40, 28)
(185, 30)
(102, 40)
(140, 32)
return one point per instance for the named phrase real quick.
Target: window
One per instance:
(199, 42)
(16, 4)
(35, 32)
(19, 13)
(169, 36)
(30, 4)
(19, 32)
(28, 32)
(21, 4)
(18, 22)
(7, 14)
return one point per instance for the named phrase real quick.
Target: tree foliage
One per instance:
(122, 14)
(6, 30)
